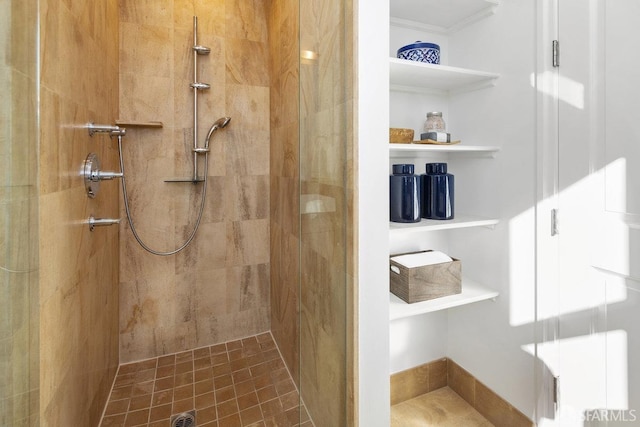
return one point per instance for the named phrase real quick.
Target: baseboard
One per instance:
(416, 381)
(445, 372)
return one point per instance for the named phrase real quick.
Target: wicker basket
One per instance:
(400, 136)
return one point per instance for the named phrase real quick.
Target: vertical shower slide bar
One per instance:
(195, 99)
(196, 86)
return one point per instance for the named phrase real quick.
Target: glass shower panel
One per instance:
(18, 214)
(323, 211)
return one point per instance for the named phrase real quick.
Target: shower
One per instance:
(222, 122)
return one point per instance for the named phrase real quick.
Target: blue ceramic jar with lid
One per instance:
(404, 194)
(437, 192)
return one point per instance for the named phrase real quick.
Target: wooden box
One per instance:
(426, 282)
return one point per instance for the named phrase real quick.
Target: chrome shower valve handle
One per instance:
(102, 176)
(93, 175)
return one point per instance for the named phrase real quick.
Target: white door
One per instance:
(598, 201)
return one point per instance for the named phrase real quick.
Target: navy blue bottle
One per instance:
(404, 194)
(437, 192)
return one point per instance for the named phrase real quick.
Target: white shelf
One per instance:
(471, 292)
(441, 16)
(460, 221)
(404, 150)
(415, 76)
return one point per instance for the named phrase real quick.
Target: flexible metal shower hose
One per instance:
(130, 220)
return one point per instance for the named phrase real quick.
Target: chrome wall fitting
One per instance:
(200, 86)
(93, 175)
(118, 132)
(202, 50)
(100, 222)
(110, 129)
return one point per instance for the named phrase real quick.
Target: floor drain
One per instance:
(185, 419)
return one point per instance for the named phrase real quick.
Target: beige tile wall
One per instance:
(325, 152)
(78, 269)
(284, 180)
(312, 255)
(218, 288)
(19, 352)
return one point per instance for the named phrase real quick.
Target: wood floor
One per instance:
(441, 408)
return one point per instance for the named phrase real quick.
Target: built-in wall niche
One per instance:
(417, 88)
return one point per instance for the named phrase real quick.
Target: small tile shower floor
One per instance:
(239, 383)
(440, 408)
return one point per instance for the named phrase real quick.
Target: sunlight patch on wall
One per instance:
(568, 90)
(521, 295)
(594, 374)
(615, 181)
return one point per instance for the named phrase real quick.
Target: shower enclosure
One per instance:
(79, 298)
(18, 214)
(326, 273)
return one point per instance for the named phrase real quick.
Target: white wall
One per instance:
(372, 116)
(485, 338)
(488, 338)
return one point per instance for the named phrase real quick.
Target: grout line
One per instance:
(190, 356)
(106, 404)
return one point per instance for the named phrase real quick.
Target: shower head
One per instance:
(220, 123)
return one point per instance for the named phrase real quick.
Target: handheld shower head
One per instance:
(220, 123)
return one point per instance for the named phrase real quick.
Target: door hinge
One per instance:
(556, 391)
(554, 222)
(556, 53)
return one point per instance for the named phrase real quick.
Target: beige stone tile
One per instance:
(248, 105)
(408, 384)
(50, 125)
(247, 197)
(285, 208)
(438, 374)
(247, 150)
(245, 19)
(461, 382)
(21, 19)
(249, 286)
(145, 98)
(148, 157)
(211, 256)
(442, 407)
(328, 348)
(211, 17)
(289, 153)
(147, 49)
(188, 200)
(145, 12)
(497, 410)
(246, 62)
(248, 242)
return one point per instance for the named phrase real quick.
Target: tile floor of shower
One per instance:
(239, 383)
